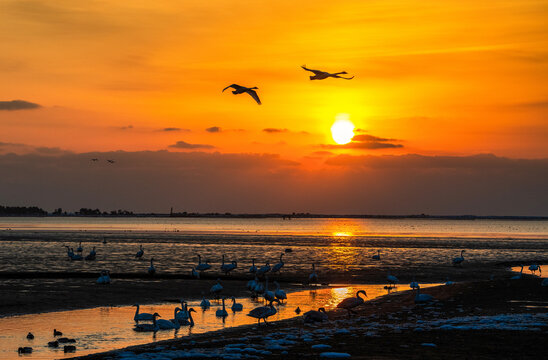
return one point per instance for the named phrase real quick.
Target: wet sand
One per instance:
(378, 330)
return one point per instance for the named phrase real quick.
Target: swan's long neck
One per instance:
(223, 304)
(462, 254)
(191, 319)
(223, 260)
(253, 262)
(137, 311)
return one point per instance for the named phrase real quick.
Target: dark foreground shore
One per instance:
(497, 319)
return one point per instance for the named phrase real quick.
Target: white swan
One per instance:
(151, 269)
(216, 289)
(148, 327)
(279, 294)
(80, 248)
(459, 260)
(104, 278)
(414, 284)
(534, 269)
(313, 277)
(205, 304)
(262, 312)
(92, 254)
(140, 253)
(252, 283)
(378, 256)
(190, 320)
(253, 268)
(141, 316)
(258, 289)
(350, 303)
(182, 315)
(226, 268)
(221, 312)
(268, 295)
(169, 324)
(518, 276)
(422, 298)
(195, 274)
(238, 89)
(279, 265)
(236, 306)
(202, 266)
(315, 316)
(392, 280)
(321, 75)
(264, 269)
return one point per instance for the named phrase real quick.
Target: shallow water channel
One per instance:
(107, 328)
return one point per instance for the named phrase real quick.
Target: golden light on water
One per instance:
(342, 129)
(342, 233)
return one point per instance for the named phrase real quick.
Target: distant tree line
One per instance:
(22, 211)
(97, 212)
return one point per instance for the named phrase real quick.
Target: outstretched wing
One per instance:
(307, 69)
(254, 95)
(231, 86)
(350, 78)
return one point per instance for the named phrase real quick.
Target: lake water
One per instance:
(334, 245)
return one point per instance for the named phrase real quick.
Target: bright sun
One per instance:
(342, 129)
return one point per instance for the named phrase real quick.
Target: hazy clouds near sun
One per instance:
(240, 183)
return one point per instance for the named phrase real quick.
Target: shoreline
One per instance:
(390, 327)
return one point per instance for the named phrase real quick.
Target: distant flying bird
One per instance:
(111, 161)
(320, 75)
(242, 89)
(94, 159)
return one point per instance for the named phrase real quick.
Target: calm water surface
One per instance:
(336, 245)
(108, 328)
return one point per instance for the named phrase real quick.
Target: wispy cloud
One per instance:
(366, 142)
(174, 129)
(18, 105)
(185, 145)
(274, 130)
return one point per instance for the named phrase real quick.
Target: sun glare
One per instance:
(342, 130)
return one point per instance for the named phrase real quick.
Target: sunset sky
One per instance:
(449, 97)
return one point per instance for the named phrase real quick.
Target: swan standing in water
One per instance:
(378, 256)
(148, 327)
(279, 294)
(253, 268)
(252, 283)
(169, 324)
(313, 277)
(141, 316)
(202, 266)
(518, 276)
(205, 304)
(92, 255)
(226, 268)
(140, 253)
(414, 284)
(459, 260)
(321, 75)
(235, 306)
(190, 320)
(268, 295)
(392, 280)
(216, 289)
(182, 315)
(104, 278)
(264, 269)
(238, 89)
(221, 312)
(315, 316)
(279, 265)
(534, 269)
(151, 270)
(350, 303)
(195, 274)
(262, 312)
(80, 248)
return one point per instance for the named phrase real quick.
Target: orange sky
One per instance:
(440, 77)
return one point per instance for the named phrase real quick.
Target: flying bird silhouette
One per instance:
(111, 161)
(94, 159)
(320, 75)
(242, 89)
